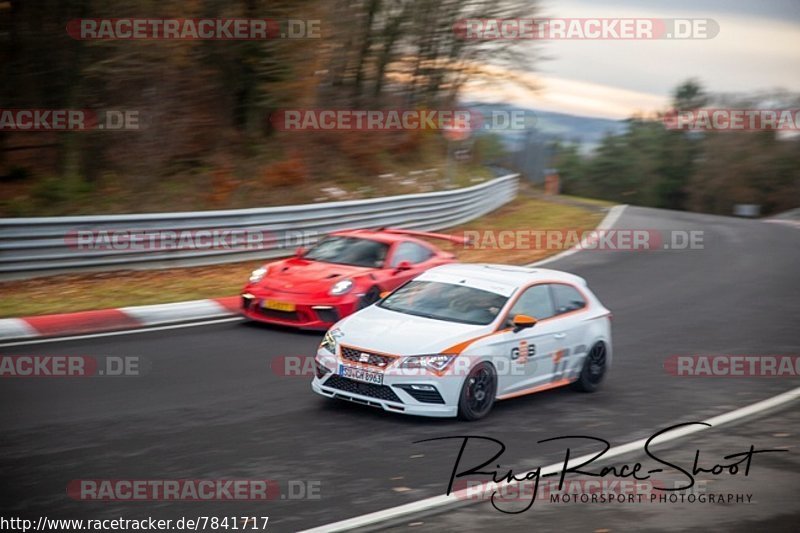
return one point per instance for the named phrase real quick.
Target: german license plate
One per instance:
(276, 305)
(359, 374)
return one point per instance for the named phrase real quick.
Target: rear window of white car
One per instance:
(534, 302)
(567, 298)
(446, 301)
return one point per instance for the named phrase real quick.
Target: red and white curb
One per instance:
(116, 319)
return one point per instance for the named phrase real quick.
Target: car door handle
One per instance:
(560, 335)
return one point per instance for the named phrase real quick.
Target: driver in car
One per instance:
(480, 307)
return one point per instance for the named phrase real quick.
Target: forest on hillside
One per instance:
(205, 139)
(710, 171)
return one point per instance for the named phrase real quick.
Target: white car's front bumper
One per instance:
(395, 394)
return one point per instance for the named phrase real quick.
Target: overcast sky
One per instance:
(758, 48)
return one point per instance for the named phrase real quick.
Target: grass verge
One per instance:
(81, 292)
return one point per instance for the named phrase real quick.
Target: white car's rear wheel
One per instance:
(478, 392)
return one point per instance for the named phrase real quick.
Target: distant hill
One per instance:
(585, 131)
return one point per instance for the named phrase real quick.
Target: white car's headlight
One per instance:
(436, 362)
(258, 274)
(331, 340)
(341, 287)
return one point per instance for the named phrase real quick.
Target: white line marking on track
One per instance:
(123, 332)
(791, 223)
(608, 222)
(637, 445)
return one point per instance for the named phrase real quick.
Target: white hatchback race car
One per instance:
(457, 338)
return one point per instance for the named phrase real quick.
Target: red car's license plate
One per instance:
(286, 307)
(359, 374)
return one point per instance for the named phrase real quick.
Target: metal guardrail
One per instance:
(37, 246)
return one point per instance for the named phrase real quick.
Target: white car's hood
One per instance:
(381, 330)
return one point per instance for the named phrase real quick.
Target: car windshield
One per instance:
(349, 251)
(446, 301)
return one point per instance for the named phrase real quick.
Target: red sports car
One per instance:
(344, 272)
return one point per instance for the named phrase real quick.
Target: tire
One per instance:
(370, 297)
(477, 392)
(594, 369)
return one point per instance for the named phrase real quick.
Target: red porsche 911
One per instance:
(344, 272)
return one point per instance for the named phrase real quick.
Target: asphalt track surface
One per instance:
(211, 407)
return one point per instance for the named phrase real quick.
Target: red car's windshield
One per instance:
(349, 251)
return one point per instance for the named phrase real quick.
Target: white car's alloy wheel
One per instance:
(478, 392)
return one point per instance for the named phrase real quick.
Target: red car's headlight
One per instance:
(341, 287)
(258, 274)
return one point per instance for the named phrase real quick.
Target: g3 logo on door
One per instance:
(523, 352)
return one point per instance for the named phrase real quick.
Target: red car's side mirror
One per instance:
(403, 265)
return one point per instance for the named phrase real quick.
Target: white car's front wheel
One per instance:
(477, 392)
(594, 368)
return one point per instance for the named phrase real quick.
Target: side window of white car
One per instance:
(535, 302)
(567, 298)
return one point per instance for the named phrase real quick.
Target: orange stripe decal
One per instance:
(456, 349)
(540, 388)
